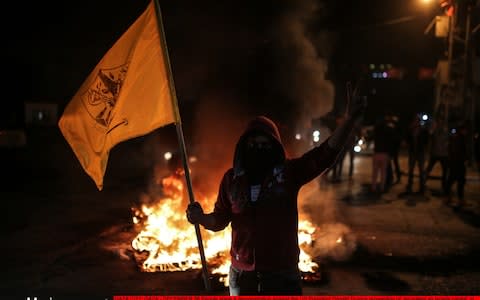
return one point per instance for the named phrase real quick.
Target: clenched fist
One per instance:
(195, 213)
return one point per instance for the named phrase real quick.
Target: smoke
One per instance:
(332, 239)
(318, 202)
(231, 64)
(301, 55)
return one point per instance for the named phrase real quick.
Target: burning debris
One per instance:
(162, 240)
(166, 241)
(334, 241)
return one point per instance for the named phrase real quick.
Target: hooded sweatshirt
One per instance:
(265, 231)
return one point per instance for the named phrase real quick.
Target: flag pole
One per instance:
(181, 140)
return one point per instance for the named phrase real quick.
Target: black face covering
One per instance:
(258, 163)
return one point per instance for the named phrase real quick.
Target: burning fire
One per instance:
(167, 241)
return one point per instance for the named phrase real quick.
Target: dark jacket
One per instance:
(417, 140)
(382, 138)
(265, 232)
(457, 149)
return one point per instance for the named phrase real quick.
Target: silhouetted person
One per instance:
(350, 145)
(457, 159)
(439, 151)
(417, 141)
(258, 197)
(396, 140)
(381, 156)
(337, 168)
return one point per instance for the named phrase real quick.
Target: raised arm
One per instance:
(343, 132)
(321, 158)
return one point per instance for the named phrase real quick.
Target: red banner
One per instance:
(297, 297)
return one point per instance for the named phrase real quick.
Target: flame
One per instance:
(169, 241)
(305, 240)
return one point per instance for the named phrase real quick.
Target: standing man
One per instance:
(350, 146)
(258, 197)
(381, 156)
(337, 168)
(396, 138)
(417, 140)
(457, 159)
(439, 150)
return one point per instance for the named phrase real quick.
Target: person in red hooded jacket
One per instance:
(258, 197)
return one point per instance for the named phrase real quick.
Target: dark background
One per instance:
(52, 47)
(230, 61)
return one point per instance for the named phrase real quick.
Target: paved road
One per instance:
(405, 245)
(56, 223)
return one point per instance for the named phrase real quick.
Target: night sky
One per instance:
(212, 44)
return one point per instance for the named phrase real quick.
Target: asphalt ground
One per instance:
(57, 227)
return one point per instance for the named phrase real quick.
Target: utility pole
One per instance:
(459, 84)
(466, 93)
(451, 35)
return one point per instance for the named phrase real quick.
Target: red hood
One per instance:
(260, 124)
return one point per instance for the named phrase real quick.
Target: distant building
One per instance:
(41, 114)
(12, 138)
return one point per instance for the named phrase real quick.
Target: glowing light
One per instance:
(168, 155)
(166, 242)
(360, 142)
(384, 74)
(192, 159)
(316, 133)
(357, 148)
(424, 117)
(298, 136)
(453, 131)
(316, 139)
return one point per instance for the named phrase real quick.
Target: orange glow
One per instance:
(167, 242)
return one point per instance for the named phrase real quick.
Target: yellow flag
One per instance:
(126, 95)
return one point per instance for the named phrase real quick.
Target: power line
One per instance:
(383, 24)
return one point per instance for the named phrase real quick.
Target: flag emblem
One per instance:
(100, 98)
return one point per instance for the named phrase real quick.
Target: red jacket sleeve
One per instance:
(222, 212)
(313, 163)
